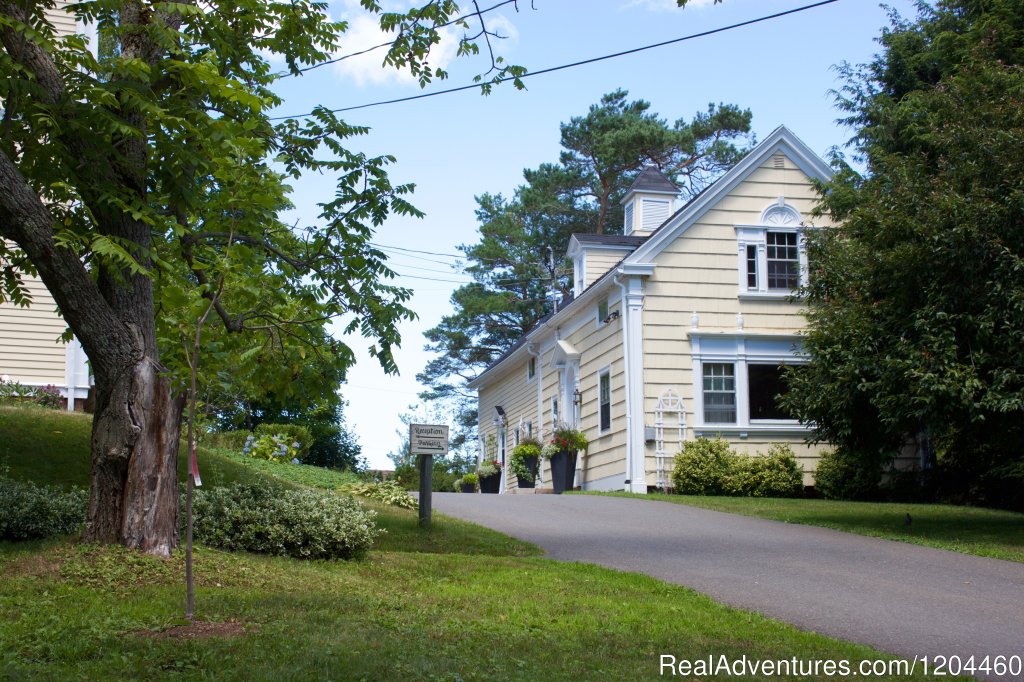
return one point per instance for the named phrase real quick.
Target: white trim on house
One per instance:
(780, 140)
(742, 350)
(633, 371)
(632, 276)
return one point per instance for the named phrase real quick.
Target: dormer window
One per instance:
(772, 259)
(648, 203)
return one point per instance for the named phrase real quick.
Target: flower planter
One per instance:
(563, 470)
(489, 484)
(467, 488)
(531, 464)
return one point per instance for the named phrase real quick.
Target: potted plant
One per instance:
(467, 484)
(489, 473)
(565, 443)
(525, 458)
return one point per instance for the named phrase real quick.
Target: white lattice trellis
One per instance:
(670, 414)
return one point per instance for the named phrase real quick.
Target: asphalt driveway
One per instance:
(905, 599)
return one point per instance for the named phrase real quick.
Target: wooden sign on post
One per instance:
(427, 440)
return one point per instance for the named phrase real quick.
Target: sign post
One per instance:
(427, 440)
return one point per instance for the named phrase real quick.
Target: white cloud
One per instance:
(368, 69)
(364, 32)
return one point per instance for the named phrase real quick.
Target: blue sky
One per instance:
(455, 147)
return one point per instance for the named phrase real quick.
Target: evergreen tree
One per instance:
(518, 263)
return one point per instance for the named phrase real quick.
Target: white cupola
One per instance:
(648, 203)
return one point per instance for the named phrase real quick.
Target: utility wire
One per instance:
(286, 74)
(552, 69)
(402, 248)
(463, 257)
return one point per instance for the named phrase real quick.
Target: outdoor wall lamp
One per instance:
(577, 398)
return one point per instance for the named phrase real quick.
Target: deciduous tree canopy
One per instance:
(916, 304)
(149, 181)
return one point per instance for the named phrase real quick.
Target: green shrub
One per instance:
(388, 492)
(227, 440)
(304, 524)
(29, 511)
(469, 479)
(703, 467)
(278, 448)
(292, 432)
(776, 474)
(842, 475)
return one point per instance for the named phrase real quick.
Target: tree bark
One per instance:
(135, 436)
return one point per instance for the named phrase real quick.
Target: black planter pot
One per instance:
(467, 488)
(563, 471)
(489, 484)
(531, 464)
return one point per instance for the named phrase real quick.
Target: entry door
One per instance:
(570, 410)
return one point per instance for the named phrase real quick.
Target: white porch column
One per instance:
(635, 450)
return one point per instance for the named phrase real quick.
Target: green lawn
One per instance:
(457, 602)
(74, 611)
(971, 530)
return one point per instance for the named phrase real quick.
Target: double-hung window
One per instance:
(740, 381)
(783, 261)
(741, 393)
(605, 396)
(771, 258)
(719, 393)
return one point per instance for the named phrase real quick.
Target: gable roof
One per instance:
(638, 261)
(652, 180)
(780, 140)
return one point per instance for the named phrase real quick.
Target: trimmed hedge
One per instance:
(702, 467)
(29, 511)
(303, 524)
(776, 474)
(710, 467)
(842, 475)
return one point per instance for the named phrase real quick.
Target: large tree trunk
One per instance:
(136, 429)
(135, 436)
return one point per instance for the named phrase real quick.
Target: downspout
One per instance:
(629, 380)
(539, 377)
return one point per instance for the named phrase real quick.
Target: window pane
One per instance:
(766, 386)
(719, 393)
(752, 267)
(783, 261)
(606, 401)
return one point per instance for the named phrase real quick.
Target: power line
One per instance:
(584, 62)
(386, 247)
(402, 248)
(415, 267)
(286, 74)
